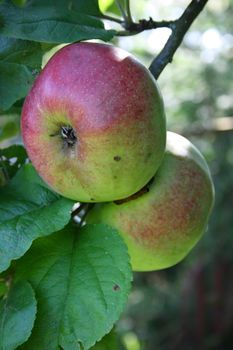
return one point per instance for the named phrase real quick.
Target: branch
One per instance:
(134, 28)
(179, 29)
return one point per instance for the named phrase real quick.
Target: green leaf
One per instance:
(81, 277)
(3, 179)
(20, 51)
(90, 7)
(15, 82)
(28, 210)
(11, 159)
(17, 315)
(105, 4)
(3, 288)
(50, 23)
(19, 62)
(13, 112)
(109, 342)
(110, 6)
(9, 129)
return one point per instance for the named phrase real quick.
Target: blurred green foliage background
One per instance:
(190, 306)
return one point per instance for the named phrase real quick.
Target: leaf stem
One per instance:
(122, 11)
(113, 19)
(128, 11)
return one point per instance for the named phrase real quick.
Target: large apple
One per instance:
(93, 123)
(165, 220)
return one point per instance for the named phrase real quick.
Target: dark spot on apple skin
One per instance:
(116, 287)
(92, 199)
(117, 158)
(149, 154)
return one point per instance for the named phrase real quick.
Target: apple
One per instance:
(162, 222)
(93, 123)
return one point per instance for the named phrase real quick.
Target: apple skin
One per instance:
(162, 225)
(114, 106)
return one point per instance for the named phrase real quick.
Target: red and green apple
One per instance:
(163, 222)
(93, 123)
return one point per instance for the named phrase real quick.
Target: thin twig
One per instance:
(112, 19)
(216, 125)
(179, 30)
(178, 27)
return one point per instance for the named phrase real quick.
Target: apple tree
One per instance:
(66, 267)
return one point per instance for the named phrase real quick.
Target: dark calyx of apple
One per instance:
(68, 135)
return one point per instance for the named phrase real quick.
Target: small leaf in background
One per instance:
(130, 341)
(11, 159)
(14, 111)
(19, 63)
(10, 73)
(28, 210)
(82, 279)
(110, 6)
(9, 129)
(17, 315)
(105, 4)
(50, 23)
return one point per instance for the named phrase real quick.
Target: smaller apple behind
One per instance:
(163, 222)
(93, 123)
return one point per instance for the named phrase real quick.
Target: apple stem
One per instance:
(87, 208)
(77, 211)
(81, 212)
